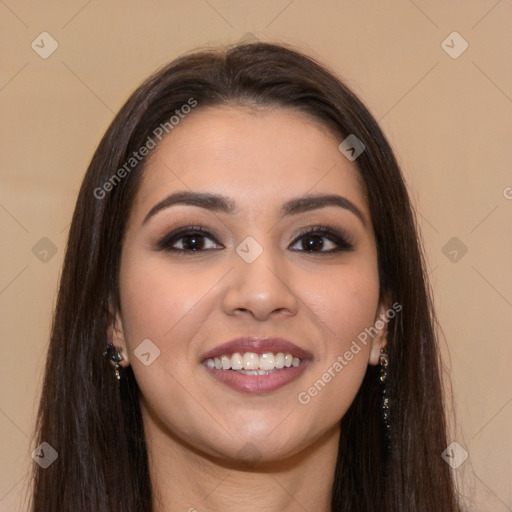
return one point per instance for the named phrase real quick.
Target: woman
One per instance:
(244, 253)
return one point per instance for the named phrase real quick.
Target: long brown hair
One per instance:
(96, 426)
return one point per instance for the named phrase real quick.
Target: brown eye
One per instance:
(189, 239)
(322, 239)
(315, 242)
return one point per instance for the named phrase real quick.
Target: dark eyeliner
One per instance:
(165, 244)
(340, 237)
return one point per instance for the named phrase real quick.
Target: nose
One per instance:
(261, 288)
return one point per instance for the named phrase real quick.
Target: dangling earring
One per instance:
(114, 355)
(384, 362)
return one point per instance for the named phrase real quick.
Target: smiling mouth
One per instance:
(250, 363)
(249, 372)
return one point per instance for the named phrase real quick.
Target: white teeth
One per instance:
(237, 362)
(279, 360)
(251, 363)
(255, 372)
(267, 361)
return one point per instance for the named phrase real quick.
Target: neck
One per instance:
(187, 480)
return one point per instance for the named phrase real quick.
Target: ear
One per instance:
(380, 324)
(116, 335)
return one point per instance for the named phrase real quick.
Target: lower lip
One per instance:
(257, 383)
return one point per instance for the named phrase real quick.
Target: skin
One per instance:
(200, 432)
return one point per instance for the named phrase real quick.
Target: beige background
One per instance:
(448, 118)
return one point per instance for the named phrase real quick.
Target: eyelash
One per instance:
(342, 240)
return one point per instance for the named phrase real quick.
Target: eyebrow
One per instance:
(224, 204)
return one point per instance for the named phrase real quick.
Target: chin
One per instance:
(249, 454)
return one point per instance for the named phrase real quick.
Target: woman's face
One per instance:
(250, 273)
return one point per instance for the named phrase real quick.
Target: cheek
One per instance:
(155, 300)
(344, 305)
(168, 308)
(344, 302)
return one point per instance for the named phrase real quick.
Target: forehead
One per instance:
(258, 156)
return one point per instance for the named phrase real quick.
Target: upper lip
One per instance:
(257, 345)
